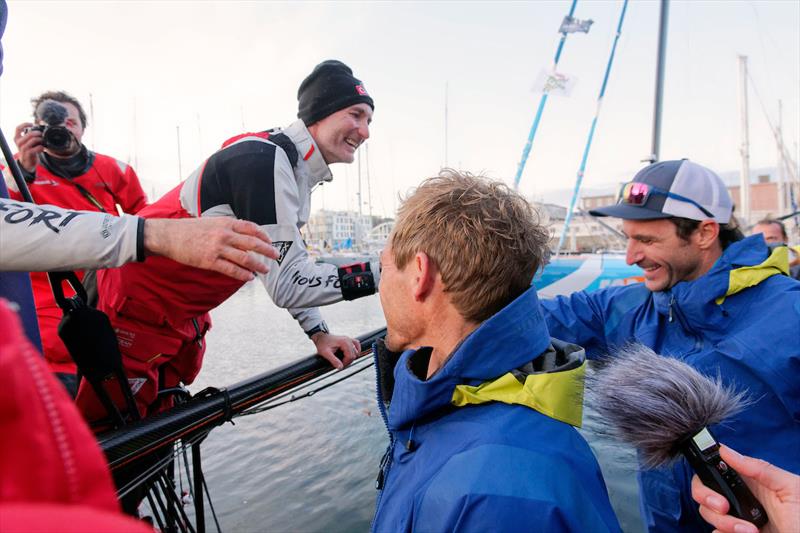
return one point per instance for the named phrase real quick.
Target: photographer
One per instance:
(61, 171)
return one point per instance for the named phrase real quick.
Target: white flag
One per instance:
(552, 82)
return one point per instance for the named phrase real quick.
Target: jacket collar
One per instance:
(510, 339)
(743, 264)
(309, 152)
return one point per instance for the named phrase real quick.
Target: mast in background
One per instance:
(660, 64)
(445, 123)
(781, 162)
(744, 184)
(91, 118)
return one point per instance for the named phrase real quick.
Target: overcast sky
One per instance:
(215, 69)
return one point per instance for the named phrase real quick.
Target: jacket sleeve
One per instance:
(491, 489)
(49, 238)
(579, 319)
(128, 192)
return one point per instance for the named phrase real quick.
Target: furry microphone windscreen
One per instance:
(654, 402)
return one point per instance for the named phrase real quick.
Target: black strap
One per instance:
(88, 196)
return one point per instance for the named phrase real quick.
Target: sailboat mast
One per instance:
(445, 123)
(660, 64)
(781, 162)
(744, 183)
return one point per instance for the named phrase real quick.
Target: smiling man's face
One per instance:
(654, 245)
(339, 135)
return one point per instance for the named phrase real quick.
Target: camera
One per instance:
(55, 136)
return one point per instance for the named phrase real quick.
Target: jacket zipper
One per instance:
(386, 460)
(676, 316)
(671, 301)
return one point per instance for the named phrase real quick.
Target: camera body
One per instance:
(55, 136)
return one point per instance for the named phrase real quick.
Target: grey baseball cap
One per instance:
(677, 188)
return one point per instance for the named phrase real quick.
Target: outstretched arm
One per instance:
(50, 238)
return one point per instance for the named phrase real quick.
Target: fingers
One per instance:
(232, 270)
(249, 243)
(726, 523)
(761, 471)
(707, 497)
(249, 228)
(350, 349)
(19, 132)
(327, 353)
(328, 344)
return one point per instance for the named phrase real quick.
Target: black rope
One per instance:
(211, 504)
(184, 524)
(159, 465)
(183, 451)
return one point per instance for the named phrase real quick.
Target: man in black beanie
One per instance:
(334, 107)
(160, 308)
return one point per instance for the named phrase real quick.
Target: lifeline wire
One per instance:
(293, 396)
(591, 130)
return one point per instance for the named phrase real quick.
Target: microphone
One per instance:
(663, 407)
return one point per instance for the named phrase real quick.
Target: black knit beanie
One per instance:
(329, 88)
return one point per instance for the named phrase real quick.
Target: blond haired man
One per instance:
(480, 401)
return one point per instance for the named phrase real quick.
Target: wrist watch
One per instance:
(322, 326)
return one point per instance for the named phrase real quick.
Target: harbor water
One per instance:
(310, 465)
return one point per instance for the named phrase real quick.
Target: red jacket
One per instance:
(53, 476)
(109, 182)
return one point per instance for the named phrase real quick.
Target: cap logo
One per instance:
(361, 90)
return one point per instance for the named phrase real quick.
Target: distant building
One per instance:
(336, 230)
(586, 234)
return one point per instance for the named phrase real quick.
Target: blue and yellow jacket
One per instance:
(486, 443)
(740, 321)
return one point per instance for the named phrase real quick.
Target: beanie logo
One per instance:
(361, 90)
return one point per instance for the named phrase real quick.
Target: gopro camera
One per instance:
(702, 452)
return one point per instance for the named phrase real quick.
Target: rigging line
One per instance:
(582, 168)
(210, 503)
(271, 404)
(358, 362)
(527, 148)
(774, 130)
(763, 48)
(159, 465)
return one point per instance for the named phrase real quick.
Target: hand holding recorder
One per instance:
(776, 489)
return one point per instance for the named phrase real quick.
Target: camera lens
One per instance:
(56, 138)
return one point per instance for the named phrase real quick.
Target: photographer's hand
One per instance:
(29, 144)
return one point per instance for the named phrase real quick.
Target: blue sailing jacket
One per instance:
(740, 321)
(481, 445)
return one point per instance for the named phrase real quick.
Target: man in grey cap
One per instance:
(712, 298)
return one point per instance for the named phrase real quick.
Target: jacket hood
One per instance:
(743, 264)
(509, 358)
